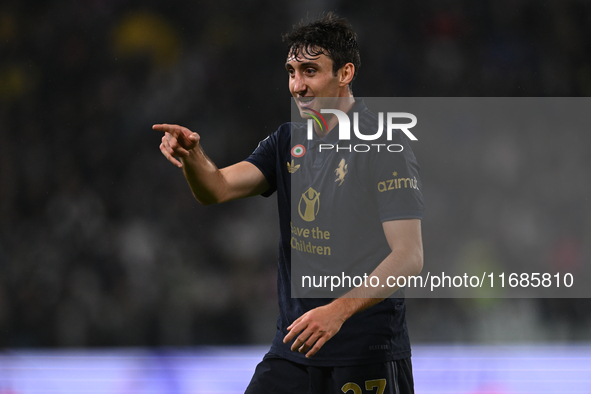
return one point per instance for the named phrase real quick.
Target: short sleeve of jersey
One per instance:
(395, 181)
(264, 158)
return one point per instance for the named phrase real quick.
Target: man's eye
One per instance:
(310, 71)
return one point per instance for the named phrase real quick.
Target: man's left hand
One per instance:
(315, 328)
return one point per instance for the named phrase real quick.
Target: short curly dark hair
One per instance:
(330, 35)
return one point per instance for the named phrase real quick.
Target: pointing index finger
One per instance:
(173, 129)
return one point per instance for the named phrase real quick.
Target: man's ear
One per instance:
(346, 74)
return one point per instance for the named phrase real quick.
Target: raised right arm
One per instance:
(209, 184)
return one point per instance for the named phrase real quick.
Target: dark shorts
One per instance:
(279, 376)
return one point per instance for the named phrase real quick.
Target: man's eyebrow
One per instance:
(302, 64)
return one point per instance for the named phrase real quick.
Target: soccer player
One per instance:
(357, 342)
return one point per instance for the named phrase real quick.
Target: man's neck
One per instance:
(345, 105)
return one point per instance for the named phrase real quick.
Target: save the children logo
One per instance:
(309, 205)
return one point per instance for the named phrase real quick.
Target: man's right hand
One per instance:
(176, 142)
(208, 184)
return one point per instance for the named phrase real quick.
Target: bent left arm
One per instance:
(315, 327)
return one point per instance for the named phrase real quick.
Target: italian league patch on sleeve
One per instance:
(298, 151)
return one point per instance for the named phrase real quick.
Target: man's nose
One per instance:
(298, 83)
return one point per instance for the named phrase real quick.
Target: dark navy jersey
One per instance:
(332, 204)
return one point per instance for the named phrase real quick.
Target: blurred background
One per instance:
(102, 243)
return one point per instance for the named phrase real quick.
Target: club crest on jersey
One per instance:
(341, 171)
(298, 151)
(291, 168)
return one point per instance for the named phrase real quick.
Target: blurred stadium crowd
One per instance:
(101, 242)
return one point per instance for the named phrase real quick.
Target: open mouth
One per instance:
(304, 101)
